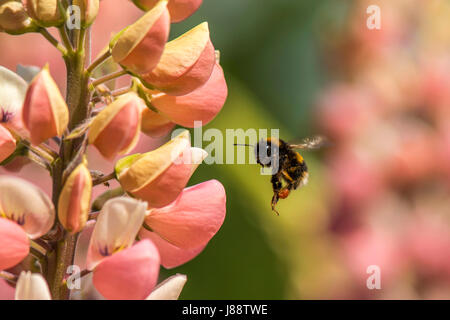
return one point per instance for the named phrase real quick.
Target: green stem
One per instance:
(53, 41)
(38, 160)
(98, 61)
(64, 256)
(77, 99)
(38, 151)
(37, 254)
(107, 78)
(104, 179)
(65, 39)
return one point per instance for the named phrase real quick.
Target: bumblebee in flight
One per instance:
(287, 164)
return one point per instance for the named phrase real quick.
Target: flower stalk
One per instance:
(78, 103)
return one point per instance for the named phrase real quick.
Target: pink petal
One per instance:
(155, 124)
(81, 249)
(202, 104)
(6, 291)
(141, 52)
(182, 9)
(37, 112)
(186, 64)
(167, 186)
(193, 218)
(14, 244)
(26, 204)
(116, 228)
(7, 143)
(171, 256)
(45, 113)
(178, 9)
(129, 274)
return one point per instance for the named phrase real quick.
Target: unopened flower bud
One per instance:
(88, 10)
(48, 13)
(160, 175)
(115, 130)
(178, 9)
(14, 18)
(139, 47)
(202, 104)
(74, 200)
(45, 113)
(186, 63)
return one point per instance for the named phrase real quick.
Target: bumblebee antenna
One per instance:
(243, 145)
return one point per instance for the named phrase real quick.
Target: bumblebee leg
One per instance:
(276, 186)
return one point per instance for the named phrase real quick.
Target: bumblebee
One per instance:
(287, 164)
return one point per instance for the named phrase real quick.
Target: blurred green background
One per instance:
(271, 61)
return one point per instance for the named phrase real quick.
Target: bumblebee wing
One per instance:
(315, 142)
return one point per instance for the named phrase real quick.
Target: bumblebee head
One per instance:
(266, 151)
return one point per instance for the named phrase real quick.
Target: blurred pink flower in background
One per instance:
(388, 163)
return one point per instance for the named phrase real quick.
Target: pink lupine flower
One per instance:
(202, 104)
(112, 255)
(140, 46)
(15, 244)
(28, 206)
(115, 130)
(116, 228)
(12, 95)
(129, 274)
(186, 63)
(32, 286)
(178, 9)
(182, 229)
(159, 176)
(45, 113)
(169, 289)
